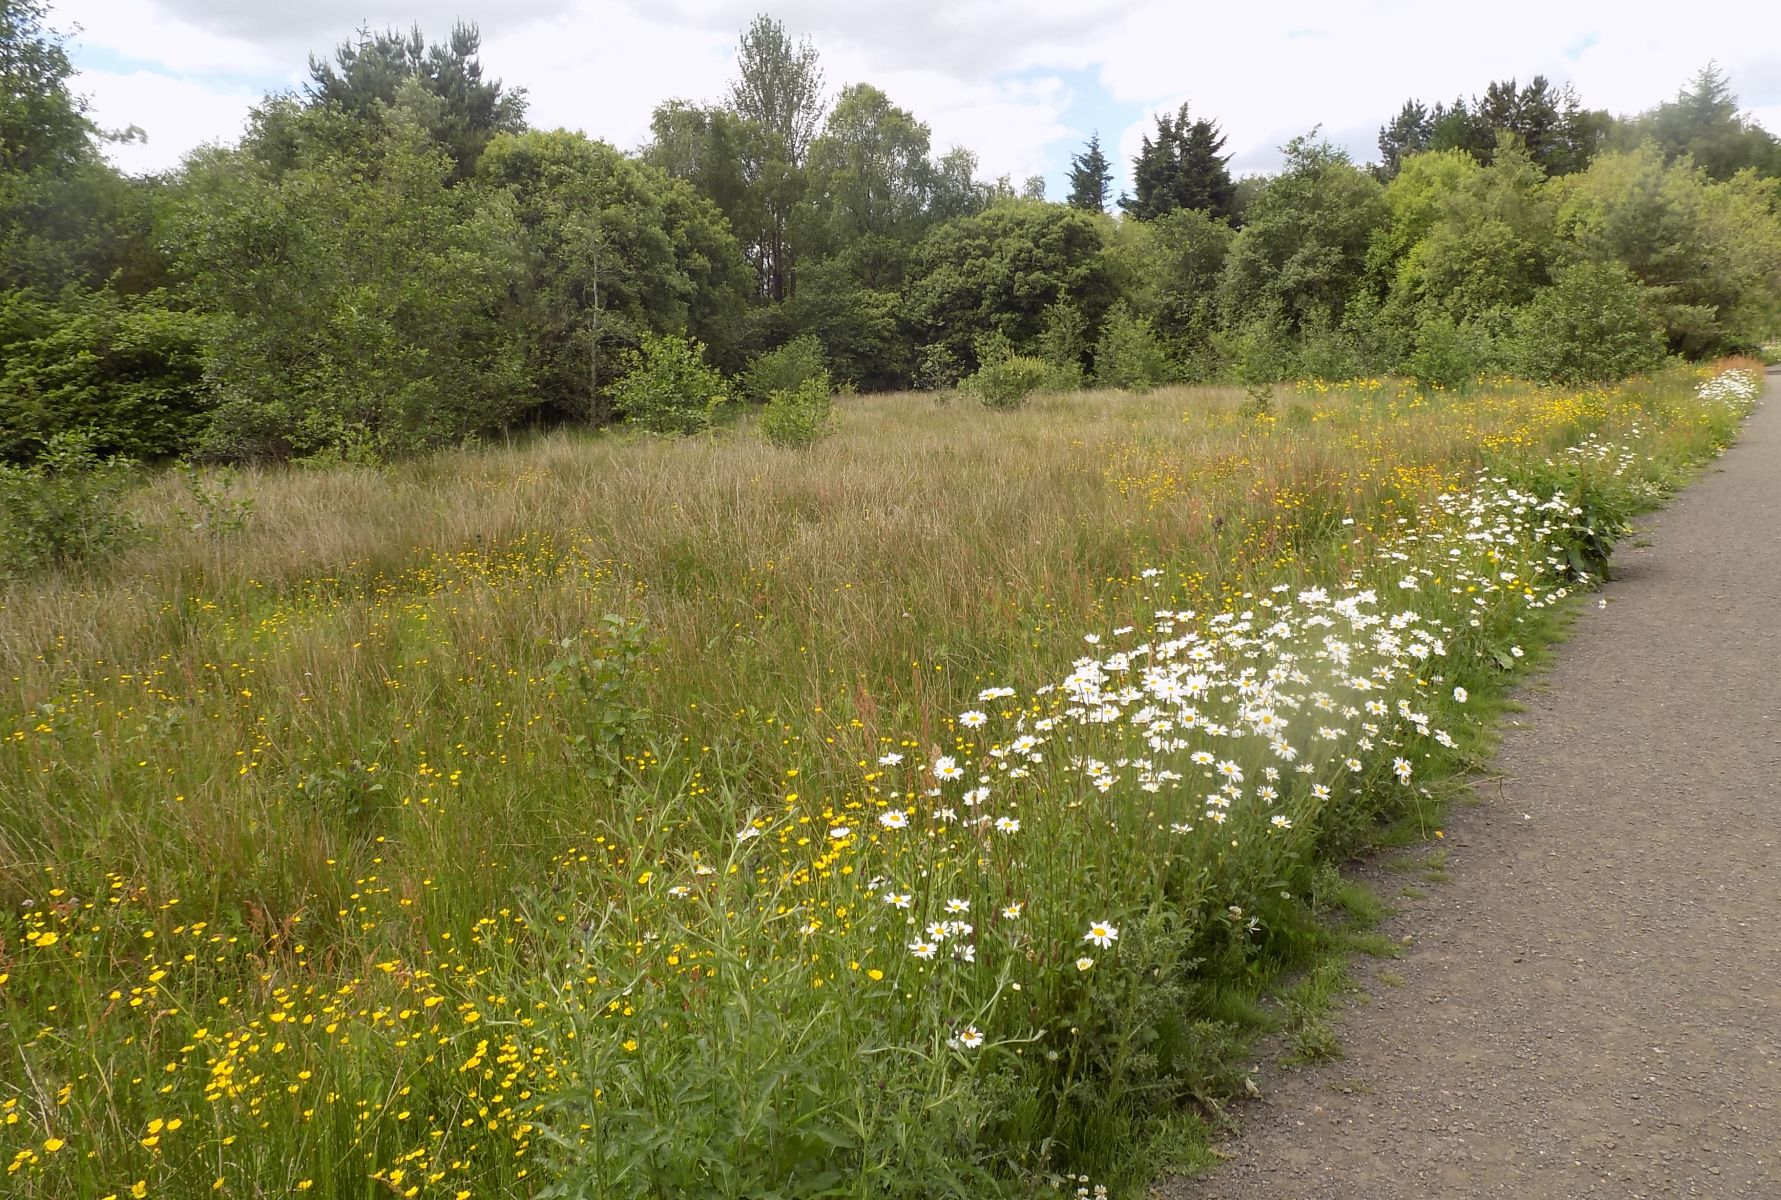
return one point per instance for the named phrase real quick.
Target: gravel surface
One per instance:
(1592, 1005)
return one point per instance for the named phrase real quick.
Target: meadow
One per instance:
(921, 813)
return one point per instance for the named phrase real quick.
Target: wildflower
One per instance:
(958, 906)
(840, 832)
(1401, 768)
(1459, 694)
(748, 833)
(889, 760)
(923, 949)
(1084, 963)
(1102, 934)
(1013, 911)
(894, 819)
(970, 1037)
(1280, 822)
(1007, 825)
(947, 769)
(898, 899)
(972, 719)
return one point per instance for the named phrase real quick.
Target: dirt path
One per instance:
(1592, 1005)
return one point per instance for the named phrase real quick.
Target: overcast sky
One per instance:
(1021, 82)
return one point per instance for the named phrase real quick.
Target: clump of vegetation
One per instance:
(1591, 326)
(668, 388)
(785, 369)
(1007, 382)
(1130, 355)
(799, 416)
(66, 507)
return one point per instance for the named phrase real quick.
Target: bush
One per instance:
(785, 369)
(667, 388)
(937, 367)
(1449, 355)
(127, 369)
(1589, 327)
(1130, 355)
(1007, 382)
(797, 417)
(64, 508)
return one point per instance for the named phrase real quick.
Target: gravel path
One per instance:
(1592, 1005)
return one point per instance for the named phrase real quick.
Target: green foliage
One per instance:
(359, 298)
(1550, 123)
(1708, 254)
(1130, 355)
(1064, 340)
(667, 386)
(1181, 169)
(128, 370)
(999, 271)
(785, 369)
(1006, 382)
(442, 83)
(798, 416)
(598, 681)
(1303, 247)
(937, 367)
(1449, 356)
(65, 508)
(1590, 326)
(1703, 125)
(217, 510)
(1091, 174)
(595, 224)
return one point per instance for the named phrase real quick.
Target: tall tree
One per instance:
(1091, 175)
(1304, 242)
(779, 90)
(464, 109)
(1703, 123)
(65, 214)
(1561, 135)
(1181, 168)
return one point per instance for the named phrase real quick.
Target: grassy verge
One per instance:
(918, 814)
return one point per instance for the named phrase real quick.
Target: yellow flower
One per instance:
(874, 974)
(139, 1189)
(53, 1144)
(630, 1045)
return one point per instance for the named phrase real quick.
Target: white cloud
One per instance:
(988, 74)
(177, 116)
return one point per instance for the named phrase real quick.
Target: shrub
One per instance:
(797, 417)
(1589, 327)
(785, 369)
(1449, 355)
(64, 508)
(128, 369)
(937, 367)
(1130, 355)
(667, 387)
(1007, 382)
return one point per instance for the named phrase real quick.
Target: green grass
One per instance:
(527, 817)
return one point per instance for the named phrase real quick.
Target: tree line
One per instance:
(392, 258)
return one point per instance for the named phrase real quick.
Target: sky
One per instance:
(1023, 83)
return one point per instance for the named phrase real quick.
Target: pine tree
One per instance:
(1181, 168)
(1091, 174)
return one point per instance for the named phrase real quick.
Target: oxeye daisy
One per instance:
(1102, 934)
(972, 719)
